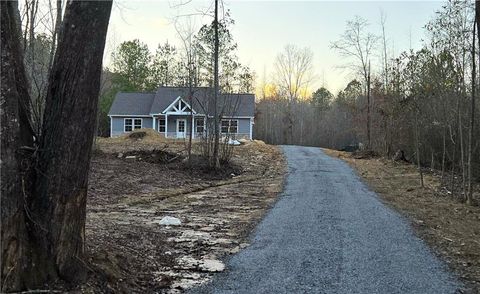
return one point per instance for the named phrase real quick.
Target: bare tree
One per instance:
(358, 44)
(383, 20)
(216, 158)
(186, 32)
(294, 71)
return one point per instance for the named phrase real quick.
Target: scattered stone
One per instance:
(234, 142)
(244, 245)
(187, 262)
(130, 157)
(207, 229)
(170, 221)
(212, 265)
(234, 250)
(120, 155)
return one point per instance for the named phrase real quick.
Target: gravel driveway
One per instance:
(328, 233)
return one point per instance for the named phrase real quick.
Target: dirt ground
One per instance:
(450, 227)
(134, 184)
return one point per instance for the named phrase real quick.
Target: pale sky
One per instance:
(263, 28)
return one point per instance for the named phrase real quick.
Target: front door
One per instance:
(181, 126)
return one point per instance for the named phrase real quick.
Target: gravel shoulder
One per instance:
(437, 215)
(329, 233)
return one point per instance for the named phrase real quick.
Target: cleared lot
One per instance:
(132, 252)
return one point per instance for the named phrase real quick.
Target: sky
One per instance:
(263, 28)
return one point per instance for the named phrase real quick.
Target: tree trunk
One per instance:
(53, 207)
(68, 130)
(472, 110)
(369, 146)
(444, 150)
(216, 143)
(417, 141)
(462, 150)
(15, 132)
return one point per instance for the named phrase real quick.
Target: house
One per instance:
(169, 110)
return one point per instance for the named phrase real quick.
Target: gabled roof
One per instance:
(158, 102)
(132, 104)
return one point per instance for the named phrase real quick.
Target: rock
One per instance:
(207, 229)
(130, 157)
(234, 250)
(120, 155)
(170, 221)
(234, 142)
(212, 265)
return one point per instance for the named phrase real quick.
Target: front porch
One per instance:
(179, 126)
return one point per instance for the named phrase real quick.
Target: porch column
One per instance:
(192, 127)
(153, 123)
(166, 125)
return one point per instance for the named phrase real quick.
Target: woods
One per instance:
(421, 102)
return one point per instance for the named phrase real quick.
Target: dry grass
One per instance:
(451, 228)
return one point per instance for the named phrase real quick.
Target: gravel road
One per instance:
(328, 233)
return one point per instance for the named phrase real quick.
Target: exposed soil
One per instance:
(135, 183)
(450, 227)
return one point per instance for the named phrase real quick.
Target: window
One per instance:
(181, 126)
(229, 126)
(200, 125)
(128, 125)
(161, 125)
(137, 123)
(132, 124)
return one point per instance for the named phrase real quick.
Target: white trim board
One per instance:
(178, 111)
(133, 123)
(129, 115)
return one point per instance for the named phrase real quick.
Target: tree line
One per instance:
(421, 102)
(134, 68)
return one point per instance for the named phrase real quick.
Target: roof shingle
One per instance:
(156, 103)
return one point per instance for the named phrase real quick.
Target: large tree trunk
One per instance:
(52, 209)
(68, 130)
(472, 110)
(15, 132)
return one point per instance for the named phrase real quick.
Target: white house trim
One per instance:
(178, 113)
(129, 115)
(251, 128)
(177, 110)
(166, 125)
(133, 123)
(229, 125)
(238, 117)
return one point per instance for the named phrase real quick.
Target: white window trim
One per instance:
(133, 123)
(164, 125)
(229, 125)
(203, 126)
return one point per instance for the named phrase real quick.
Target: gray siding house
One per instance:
(168, 111)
